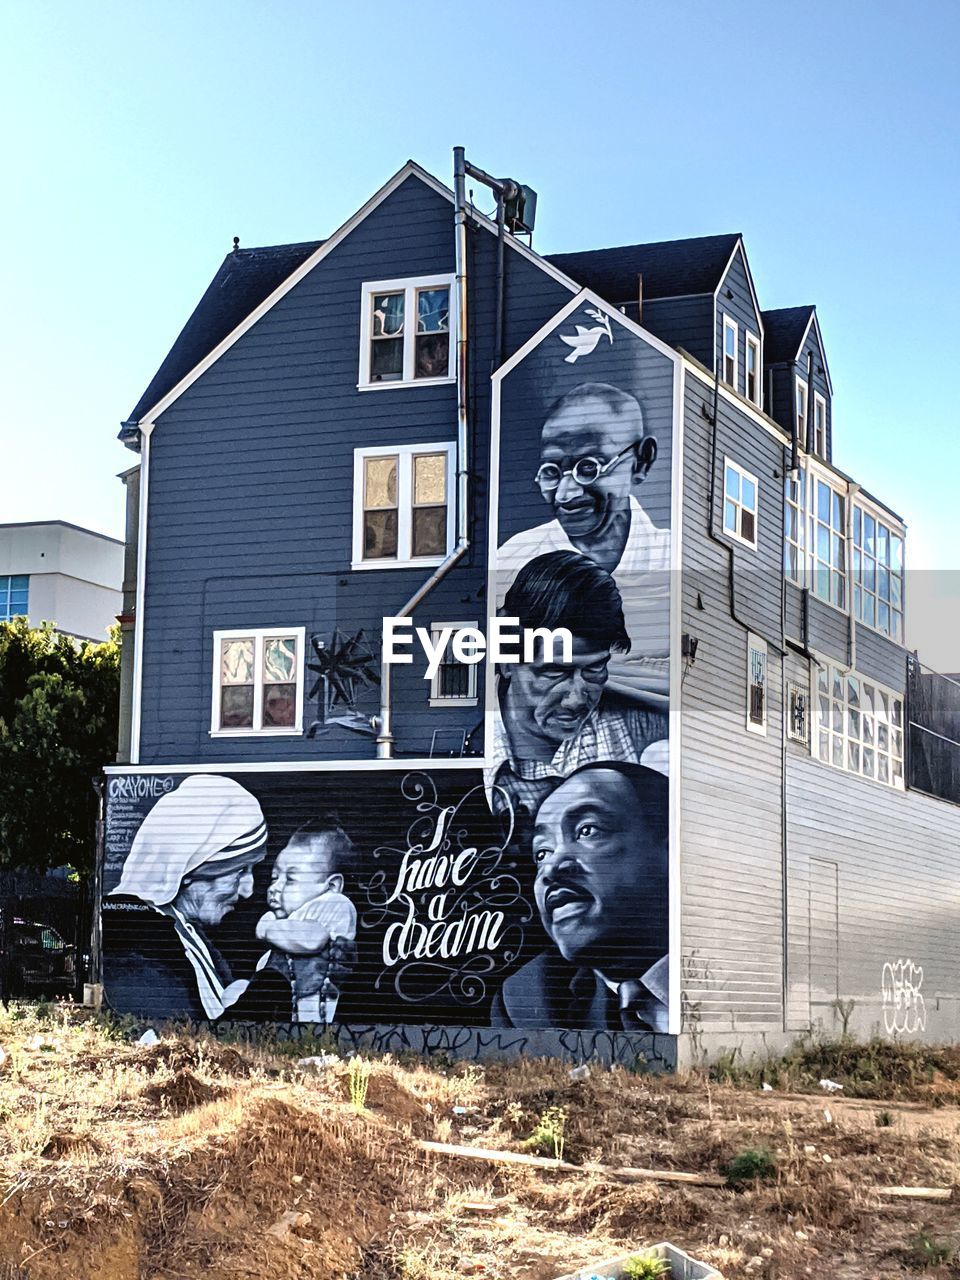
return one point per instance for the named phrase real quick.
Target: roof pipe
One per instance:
(383, 722)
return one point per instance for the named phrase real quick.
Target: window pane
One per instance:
(747, 526)
(853, 724)
(838, 750)
(429, 478)
(279, 659)
(883, 772)
(236, 706)
(387, 315)
(729, 517)
(868, 762)
(432, 355)
(883, 584)
(379, 535)
(868, 730)
(386, 360)
(279, 705)
(749, 495)
(883, 618)
(898, 712)
(869, 534)
(823, 502)
(883, 543)
(853, 756)
(729, 340)
(380, 482)
(857, 520)
(429, 531)
(883, 737)
(454, 680)
(732, 484)
(869, 696)
(853, 691)
(236, 661)
(869, 616)
(824, 746)
(896, 552)
(433, 310)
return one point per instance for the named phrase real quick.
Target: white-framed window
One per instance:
(403, 505)
(819, 425)
(756, 684)
(730, 352)
(258, 681)
(828, 542)
(740, 504)
(800, 408)
(455, 683)
(14, 595)
(859, 726)
(798, 713)
(877, 573)
(795, 528)
(406, 331)
(754, 373)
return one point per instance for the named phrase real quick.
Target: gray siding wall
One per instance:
(898, 899)
(740, 309)
(251, 487)
(731, 884)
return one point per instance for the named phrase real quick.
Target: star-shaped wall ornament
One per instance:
(345, 665)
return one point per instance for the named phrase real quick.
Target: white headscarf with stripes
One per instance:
(207, 821)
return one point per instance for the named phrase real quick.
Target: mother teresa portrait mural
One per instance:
(528, 891)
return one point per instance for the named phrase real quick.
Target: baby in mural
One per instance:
(311, 924)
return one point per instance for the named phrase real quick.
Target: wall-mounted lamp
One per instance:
(688, 648)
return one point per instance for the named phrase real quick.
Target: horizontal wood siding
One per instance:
(898, 896)
(251, 486)
(731, 894)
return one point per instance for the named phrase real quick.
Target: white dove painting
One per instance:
(584, 341)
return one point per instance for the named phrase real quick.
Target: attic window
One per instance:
(405, 328)
(730, 352)
(819, 425)
(752, 358)
(801, 411)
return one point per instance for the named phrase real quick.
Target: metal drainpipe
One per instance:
(385, 738)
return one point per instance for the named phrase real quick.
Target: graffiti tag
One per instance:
(904, 1010)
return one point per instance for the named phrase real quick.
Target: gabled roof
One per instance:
(208, 328)
(670, 268)
(785, 330)
(245, 278)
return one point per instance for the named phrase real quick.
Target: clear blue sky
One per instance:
(139, 138)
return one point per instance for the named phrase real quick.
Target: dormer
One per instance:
(798, 390)
(738, 328)
(673, 288)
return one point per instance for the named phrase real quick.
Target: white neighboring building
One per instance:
(58, 572)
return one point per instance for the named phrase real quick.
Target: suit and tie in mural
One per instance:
(530, 891)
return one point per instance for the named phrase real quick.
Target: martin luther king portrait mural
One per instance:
(527, 889)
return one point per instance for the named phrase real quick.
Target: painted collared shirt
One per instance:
(610, 732)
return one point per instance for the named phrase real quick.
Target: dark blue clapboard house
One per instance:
(324, 435)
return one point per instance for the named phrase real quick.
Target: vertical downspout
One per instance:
(383, 723)
(501, 281)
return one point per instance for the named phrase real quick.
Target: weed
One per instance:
(646, 1268)
(547, 1137)
(753, 1165)
(884, 1119)
(924, 1251)
(359, 1077)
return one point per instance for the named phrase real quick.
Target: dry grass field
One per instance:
(194, 1158)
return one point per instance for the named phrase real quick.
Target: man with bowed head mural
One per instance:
(600, 849)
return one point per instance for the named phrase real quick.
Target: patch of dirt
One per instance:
(182, 1092)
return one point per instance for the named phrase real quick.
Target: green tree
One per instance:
(59, 702)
